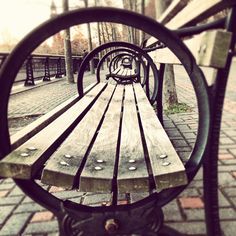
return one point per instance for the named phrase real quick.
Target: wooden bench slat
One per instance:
(25, 167)
(210, 49)
(131, 149)
(196, 11)
(159, 144)
(30, 130)
(172, 10)
(75, 146)
(116, 70)
(104, 149)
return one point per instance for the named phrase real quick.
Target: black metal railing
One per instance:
(43, 67)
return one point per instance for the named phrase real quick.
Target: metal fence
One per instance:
(43, 67)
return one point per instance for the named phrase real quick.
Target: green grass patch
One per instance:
(178, 108)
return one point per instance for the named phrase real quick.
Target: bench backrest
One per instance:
(210, 48)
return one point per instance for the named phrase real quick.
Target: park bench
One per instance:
(108, 138)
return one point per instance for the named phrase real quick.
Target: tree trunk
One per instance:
(90, 44)
(67, 46)
(170, 95)
(142, 36)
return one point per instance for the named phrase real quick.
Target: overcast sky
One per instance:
(18, 17)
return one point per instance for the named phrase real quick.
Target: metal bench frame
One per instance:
(75, 218)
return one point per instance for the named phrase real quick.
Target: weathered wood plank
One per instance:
(198, 10)
(172, 10)
(24, 163)
(73, 149)
(97, 174)
(132, 170)
(34, 127)
(166, 175)
(209, 48)
(116, 70)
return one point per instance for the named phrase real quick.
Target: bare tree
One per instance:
(170, 95)
(67, 46)
(142, 36)
(90, 44)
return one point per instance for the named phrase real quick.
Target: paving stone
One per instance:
(233, 151)
(230, 132)
(226, 179)
(10, 200)
(7, 181)
(55, 189)
(68, 194)
(134, 197)
(3, 193)
(7, 186)
(190, 228)
(226, 168)
(27, 200)
(226, 140)
(233, 200)
(190, 192)
(171, 212)
(226, 156)
(15, 224)
(5, 212)
(16, 191)
(194, 214)
(229, 162)
(223, 202)
(29, 207)
(180, 143)
(41, 227)
(42, 216)
(96, 198)
(227, 213)
(234, 174)
(230, 192)
(199, 175)
(229, 227)
(191, 202)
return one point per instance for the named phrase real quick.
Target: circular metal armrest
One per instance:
(35, 38)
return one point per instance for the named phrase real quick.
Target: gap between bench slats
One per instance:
(159, 144)
(24, 163)
(132, 170)
(76, 146)
(98, 172)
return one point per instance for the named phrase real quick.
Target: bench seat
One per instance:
(110, 138)
(123, 75)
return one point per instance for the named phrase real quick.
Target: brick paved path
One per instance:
(19, 215)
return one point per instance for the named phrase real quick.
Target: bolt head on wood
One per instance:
(111, 226)
(132, 168)
(132, 161)
(68, 156)
(100, 161)
(63, 163)
(166, 163)
(163, 156)
(98, 168)
(32, 148)
(24, 154)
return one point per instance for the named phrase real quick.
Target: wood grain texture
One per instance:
(104, 148)
(16, 166)
(172, 10)
(76, 146)
(158, 144)
(198, 10)
(131, 150)
(30, 130)
(210, 49)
